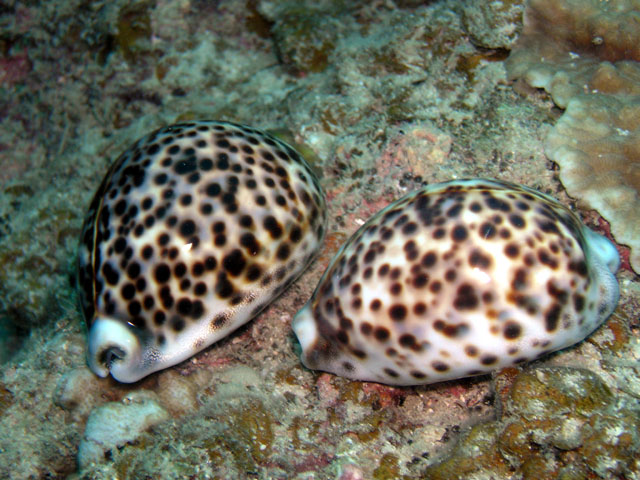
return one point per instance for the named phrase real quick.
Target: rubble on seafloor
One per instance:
(384, 97)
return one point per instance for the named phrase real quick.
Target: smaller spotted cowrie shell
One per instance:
(458, 279)
(194, 230)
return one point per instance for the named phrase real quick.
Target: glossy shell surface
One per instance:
(458, 279)
(194, 230)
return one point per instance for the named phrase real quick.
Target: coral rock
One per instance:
(586, 54)
(597, 145)
(115, 424)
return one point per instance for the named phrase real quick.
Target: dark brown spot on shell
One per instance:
(391, 373)
(488, 360)
(429, 259)
(396, 289)
(512, 330)
(466, 297)
(234, 262)
(439, 366)
(552, 317)
(366, 328)
(517, 220)
(409, 341)
(397, 312)
(479, 259)
(487, 231)
(451, 330)
(450, 275)
(520, 279)
(420, 280)
(459, 233)
(512, 250)
(162, 273)
(381, 333)
(419, 308)
(471, 351)
(578, 302)
(579, 267)
(547, 259)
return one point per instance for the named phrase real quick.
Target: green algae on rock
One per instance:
(557, 422)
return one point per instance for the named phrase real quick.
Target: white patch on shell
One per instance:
(458, 279)
(194, 230)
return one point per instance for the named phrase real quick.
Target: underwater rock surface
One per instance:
(412, 93)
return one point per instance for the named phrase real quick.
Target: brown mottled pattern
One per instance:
(199, 223)
(453, 280)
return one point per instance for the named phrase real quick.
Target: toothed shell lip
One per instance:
(113, 349)
(304, 333)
